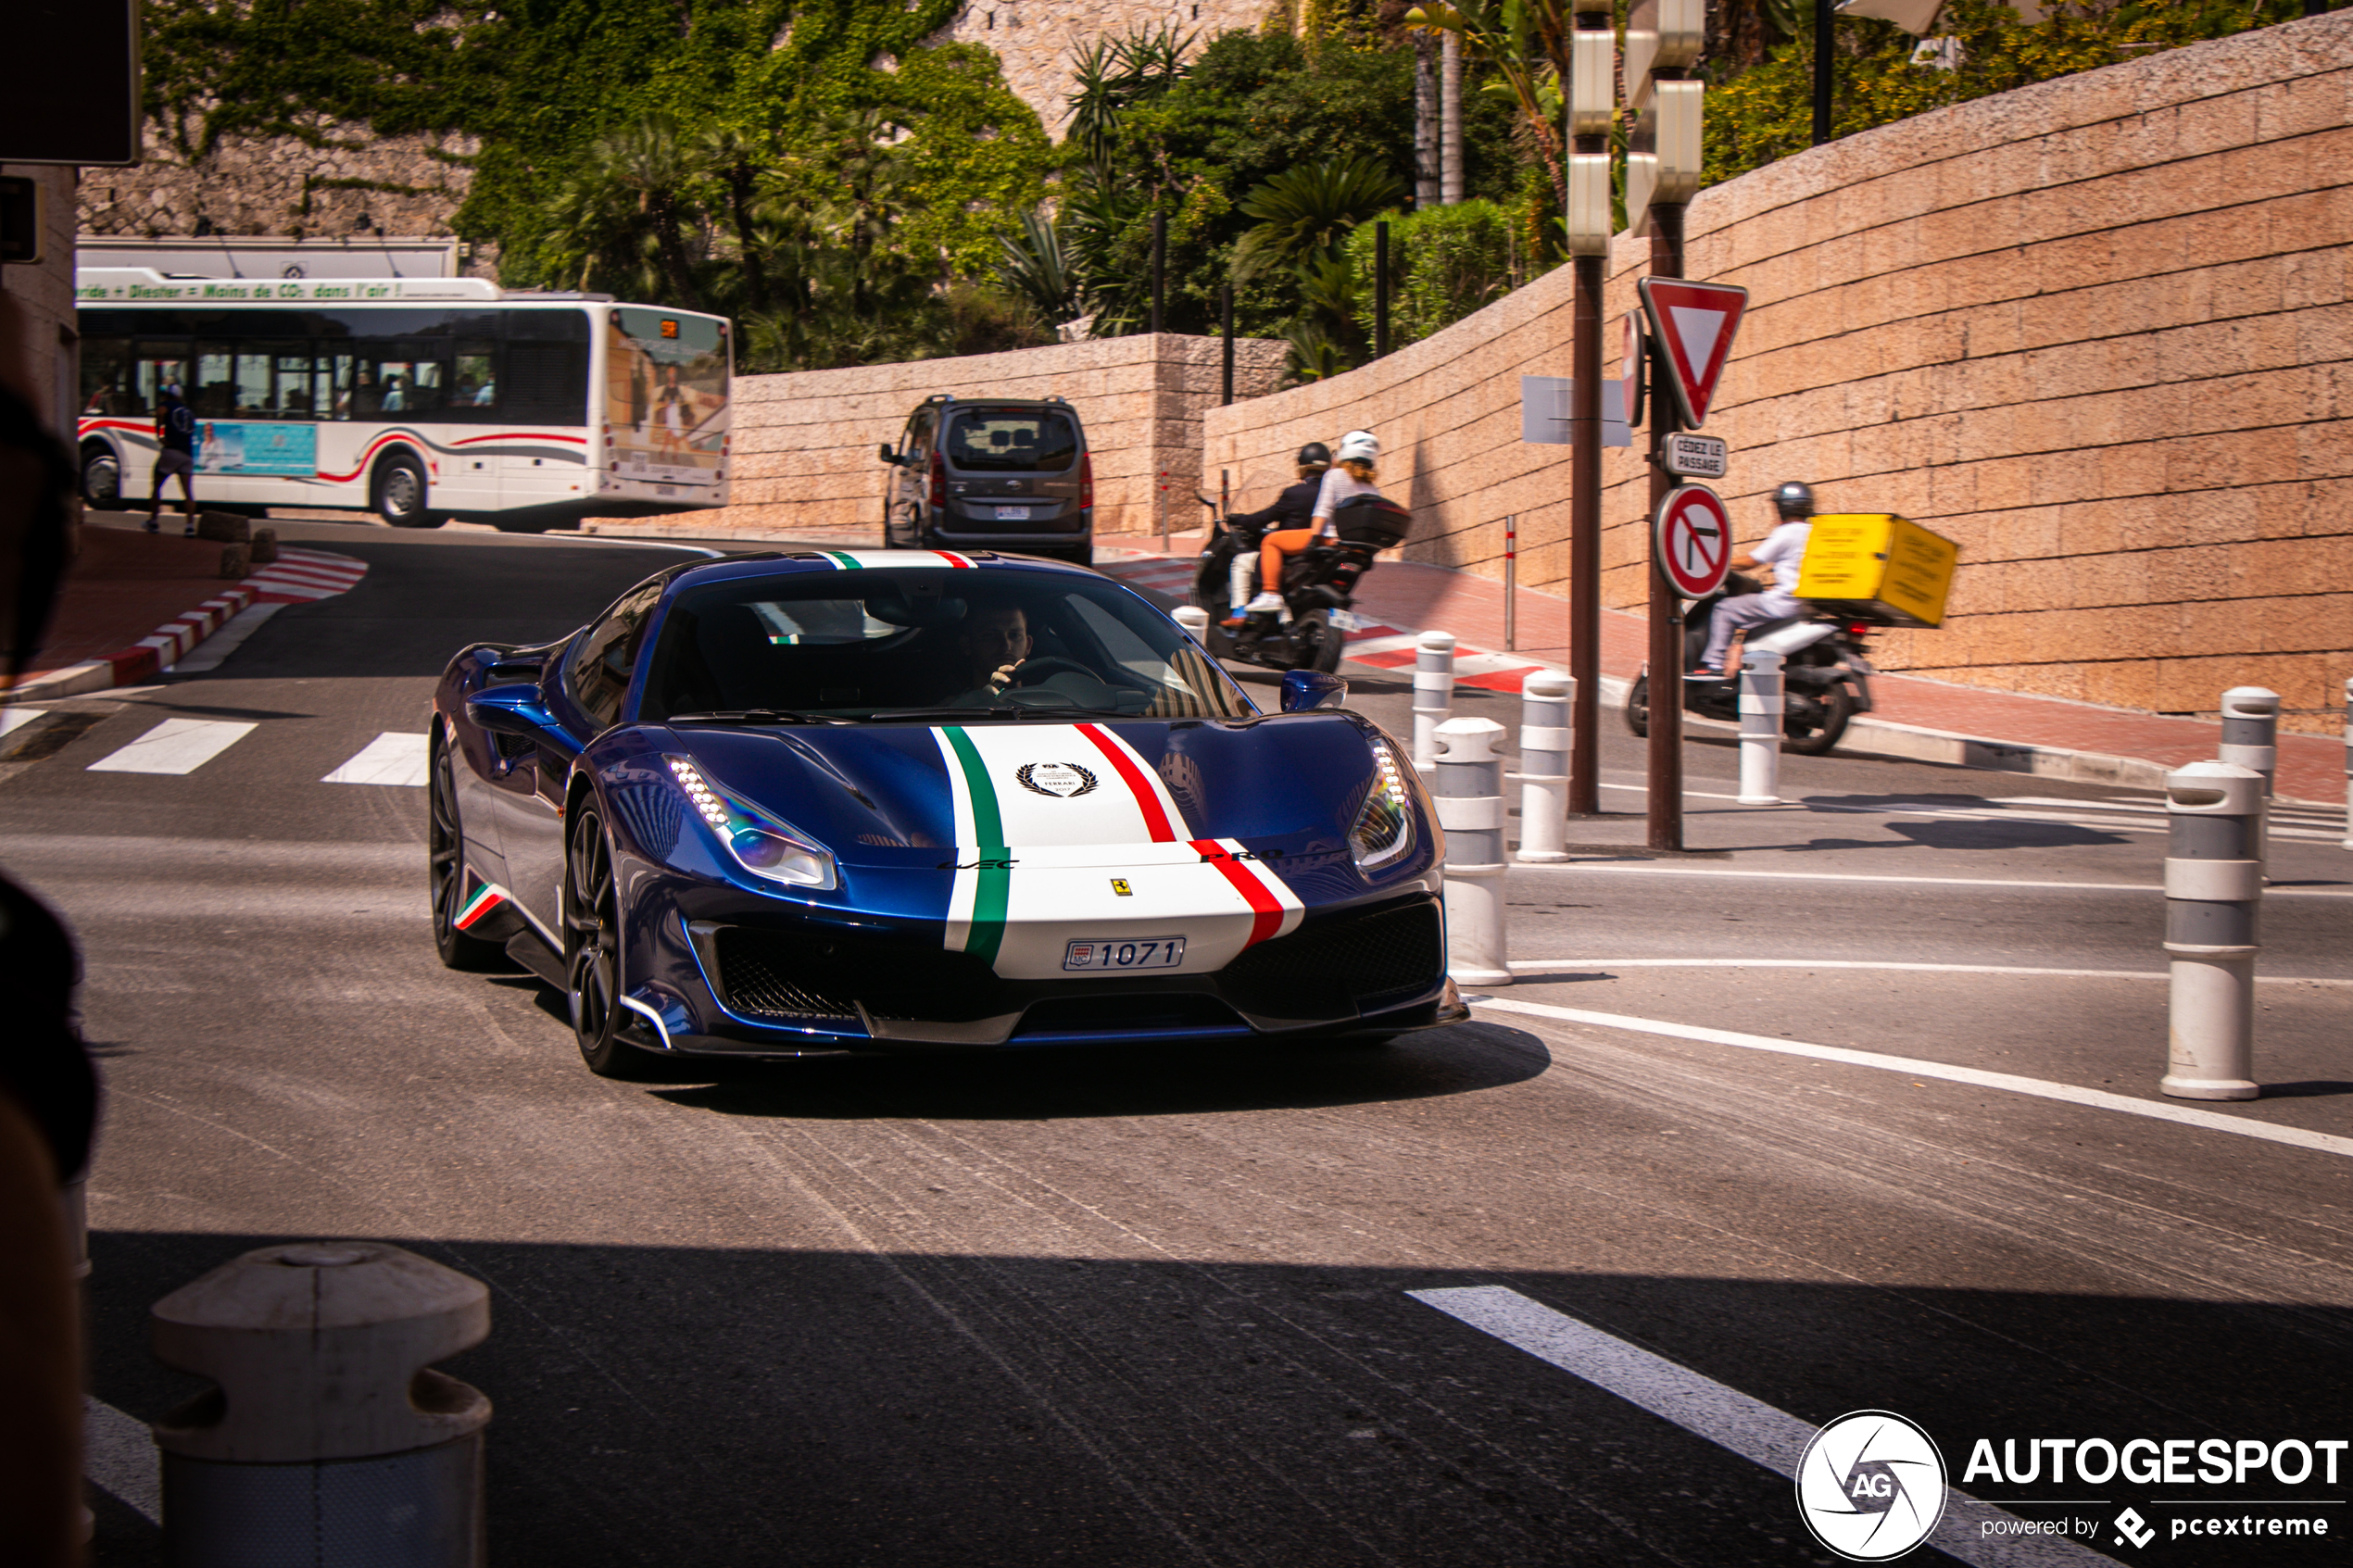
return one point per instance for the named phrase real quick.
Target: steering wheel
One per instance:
(1034, 670)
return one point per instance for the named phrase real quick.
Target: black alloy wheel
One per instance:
(592, 953)
(101, 478)
(446, 857)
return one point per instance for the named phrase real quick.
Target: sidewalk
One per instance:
(134, 604)
(1920, 719)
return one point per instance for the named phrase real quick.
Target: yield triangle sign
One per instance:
(1694, 324)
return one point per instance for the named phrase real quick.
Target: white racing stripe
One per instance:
(1725, 1417)
(176, 745)
(119, 1455)
(1551, 966)
(391, 758)
(2041, 1088)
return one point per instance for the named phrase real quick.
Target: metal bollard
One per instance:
(329, 1441)
(1194, 619)
(1433, 692)
(2213, 901)
(2348, 762)
(1468, 791)
(1760, 727)
(1543, 767)
(2251, 739)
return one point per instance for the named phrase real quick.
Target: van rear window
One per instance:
(1011, 440)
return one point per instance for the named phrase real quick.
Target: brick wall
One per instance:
(804, 442)
(2097, 330)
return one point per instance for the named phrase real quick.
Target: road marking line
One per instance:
(176, 745)
(119, 1454)
(1538, 966)
(1620, 868)
(15, 718)
(1757, 1432)
(2098, 1099)
(390, 758)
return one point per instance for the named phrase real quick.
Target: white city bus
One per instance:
(417, 398)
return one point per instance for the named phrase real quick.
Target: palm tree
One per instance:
(630, 210)
(1304, 213)
(1035, 268)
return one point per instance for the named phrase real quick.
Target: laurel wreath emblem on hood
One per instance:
(1062, 780)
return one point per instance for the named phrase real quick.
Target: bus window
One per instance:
(214, 396)
(395, 383)
(476, 384)
(289, 368)
(106, 375)
(158, 365)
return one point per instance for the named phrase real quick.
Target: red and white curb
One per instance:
(297, 576)
(1384, 648)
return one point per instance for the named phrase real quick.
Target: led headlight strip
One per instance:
(1384, 829)
(759, 842)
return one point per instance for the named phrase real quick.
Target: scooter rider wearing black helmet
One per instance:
(1781, 551)
(1293, 508)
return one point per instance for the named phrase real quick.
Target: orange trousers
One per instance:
(1272, 549)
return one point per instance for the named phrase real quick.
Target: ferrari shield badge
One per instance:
(1061, 779)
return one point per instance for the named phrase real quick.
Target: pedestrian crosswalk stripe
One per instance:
(176, 745)
(391, 758)
(15, 718)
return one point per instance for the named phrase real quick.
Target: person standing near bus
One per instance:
(176, 454)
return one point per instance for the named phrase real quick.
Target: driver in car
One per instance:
(991, 645)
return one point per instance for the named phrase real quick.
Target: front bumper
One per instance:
(755, 985)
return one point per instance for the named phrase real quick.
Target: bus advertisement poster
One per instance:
(666, 395)
(231, 449)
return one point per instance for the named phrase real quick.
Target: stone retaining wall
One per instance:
(804, 441)
(2096, 329)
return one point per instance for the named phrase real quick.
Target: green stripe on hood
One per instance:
(993, 883)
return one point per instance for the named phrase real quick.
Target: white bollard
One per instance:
(1760, 727)
(1194, 619)
(1468, 791)
(330, 1440)
(1543, 767)
(2213, 904)
(2348, 762)
(2251, 739)
(1433, 692)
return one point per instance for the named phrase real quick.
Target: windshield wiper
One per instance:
(753, 716)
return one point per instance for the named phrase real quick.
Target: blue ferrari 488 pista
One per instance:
(795, 805)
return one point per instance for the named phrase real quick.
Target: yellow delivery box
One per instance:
(1876, 566)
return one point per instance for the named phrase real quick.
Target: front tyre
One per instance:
(446, 857)
(1820, 727)
(400, 493)
(101, 478)
(592, 952)
(1319, 643)
(1638, 706)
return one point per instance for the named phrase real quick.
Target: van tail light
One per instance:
(1086, 481)
(938, 480)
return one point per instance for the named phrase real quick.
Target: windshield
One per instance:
(922, 642)
(1011, 440)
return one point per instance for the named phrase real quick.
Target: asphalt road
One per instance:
(1118, 1309)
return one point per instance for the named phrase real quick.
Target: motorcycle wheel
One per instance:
(1811, 739)
(1319, 643)
(1638, 706)
(1210, 590)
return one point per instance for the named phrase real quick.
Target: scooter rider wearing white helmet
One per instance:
(1351, 474)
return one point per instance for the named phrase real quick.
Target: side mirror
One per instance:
(1305, 689)
(507, 711)
(890, 456)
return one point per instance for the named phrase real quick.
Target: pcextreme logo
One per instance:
(1870, 1485)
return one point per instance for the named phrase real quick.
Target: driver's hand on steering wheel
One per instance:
(1002, 677)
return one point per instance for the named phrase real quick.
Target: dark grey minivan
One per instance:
(992, 473)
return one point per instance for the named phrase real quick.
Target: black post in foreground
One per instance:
(1160, 264)
(1585, 542)
(1664, 792)
(1823, 49)
(1380, 291)
(1226, 326)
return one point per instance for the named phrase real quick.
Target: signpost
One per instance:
(1590, 108)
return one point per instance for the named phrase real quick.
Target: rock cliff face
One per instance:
(1033, 39)
(355, 183)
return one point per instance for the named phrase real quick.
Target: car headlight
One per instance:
(1384, 828)
(762, 842)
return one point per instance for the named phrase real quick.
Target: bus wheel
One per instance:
(400, 493)
(101, 478)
